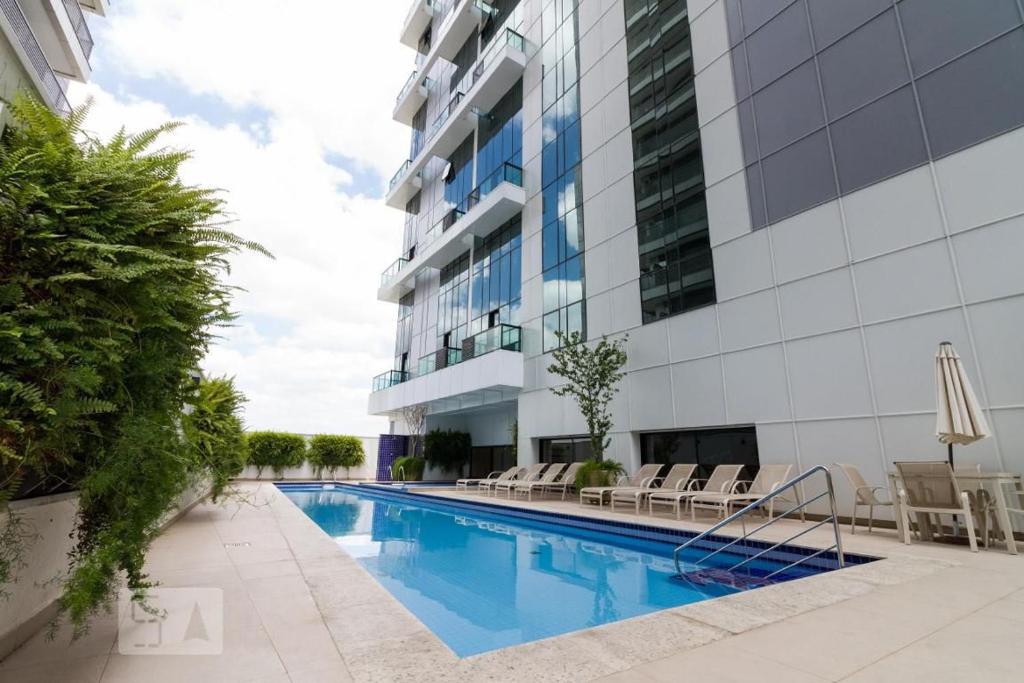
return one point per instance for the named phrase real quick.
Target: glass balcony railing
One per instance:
(445, 114)
(407, 87)
(393, 270)
(506, 337)
(510, 38)
(438, 360)
(78, 23)
(398, 174)
(389, 379)
(53, 91)
(506, 173)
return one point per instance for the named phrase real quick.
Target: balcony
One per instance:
(496, 71)
(22, 36)
(496, 200)
(458, 25)
(416, 22)
(81, 28)
(411, 98)
(482, 378)
(389, 379)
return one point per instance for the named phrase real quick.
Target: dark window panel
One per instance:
(833, 19)
(789, 108)
(798, 177)
(878, 141)
(758, 212)
(976, 97)
(939, 30)
(863, 66)
(756, 13)
(778, 46)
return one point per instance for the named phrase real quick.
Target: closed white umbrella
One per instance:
(959, 419)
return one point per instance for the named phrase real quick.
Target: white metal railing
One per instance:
(79, 24)
(832, 519)
(52, 88)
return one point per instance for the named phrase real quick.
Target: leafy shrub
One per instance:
(110, 290)
(598, 473)
(448, 450)
(408, 468)
(276, 450)
(213, 430)
(329, 452)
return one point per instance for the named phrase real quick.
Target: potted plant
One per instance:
(598, 473)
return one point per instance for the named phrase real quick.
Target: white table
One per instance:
(993, 482)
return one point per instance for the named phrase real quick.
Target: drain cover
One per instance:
(243, 544)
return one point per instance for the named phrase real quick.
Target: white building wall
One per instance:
(827, 322)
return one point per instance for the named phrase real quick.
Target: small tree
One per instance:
(591, 375)
(415, 419)
(329, 452)
(277, 450)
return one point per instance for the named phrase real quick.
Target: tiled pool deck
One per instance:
(297, 608)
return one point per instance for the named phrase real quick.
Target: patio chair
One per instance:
(931, 488)
(722, 480)
(533, 473)
(566, 481)
(863, 494)
(487, 485)
(493, 476)
(598, 493)
(768, 478)
(678, 478)
(551, 475)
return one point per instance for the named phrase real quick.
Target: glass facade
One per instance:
(497, 278)
(676, 272)
(500, 136)
(458, 183)
(453, 303)
(832, 95)
(564, 306)
(403, 335)
(566, 449)
(706, 448)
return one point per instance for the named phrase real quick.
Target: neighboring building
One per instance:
(787, 204)
(43, 45)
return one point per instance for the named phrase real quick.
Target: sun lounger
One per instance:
(679, 477)
(532, 474)
(722, 480)
(487, 485)
(493, 476)
(768, 478)
(566, 481)
(551, 475)
(599, 493)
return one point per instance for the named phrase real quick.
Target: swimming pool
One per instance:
(481, 579)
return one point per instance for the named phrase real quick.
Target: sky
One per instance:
(287, 110)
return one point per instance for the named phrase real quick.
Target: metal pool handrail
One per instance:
(774, 493)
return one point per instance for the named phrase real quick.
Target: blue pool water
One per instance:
(481, 580)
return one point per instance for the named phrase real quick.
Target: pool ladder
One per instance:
(740, 515)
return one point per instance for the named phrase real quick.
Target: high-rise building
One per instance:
(43, 45)
(786, 204)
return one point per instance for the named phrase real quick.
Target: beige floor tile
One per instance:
(97, 641)
(265, 570)
(335, 672)
(722, 663)
(977, 648)
(84, 670)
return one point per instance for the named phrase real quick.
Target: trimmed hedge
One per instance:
(411, 468)
(448, 450)
(276, 450)
(331, 451)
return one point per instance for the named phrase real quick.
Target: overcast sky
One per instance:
(287, 108)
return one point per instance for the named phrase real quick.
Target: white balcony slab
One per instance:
(416, 22)
(494, 210)
(491, 378)
(410, 102)
(456, 28)
(500, 72)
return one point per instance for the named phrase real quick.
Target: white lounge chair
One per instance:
(493, 476)
(931, 488)
(487, 485)
(533, 473)
(863, 494)
(566, 481)
(768, 478)
(722, 480)
(598, 493)
(551, 475)
(679, 477)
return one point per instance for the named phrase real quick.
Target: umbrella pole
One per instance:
(950, 456)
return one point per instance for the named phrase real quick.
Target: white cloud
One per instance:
(311, 334)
